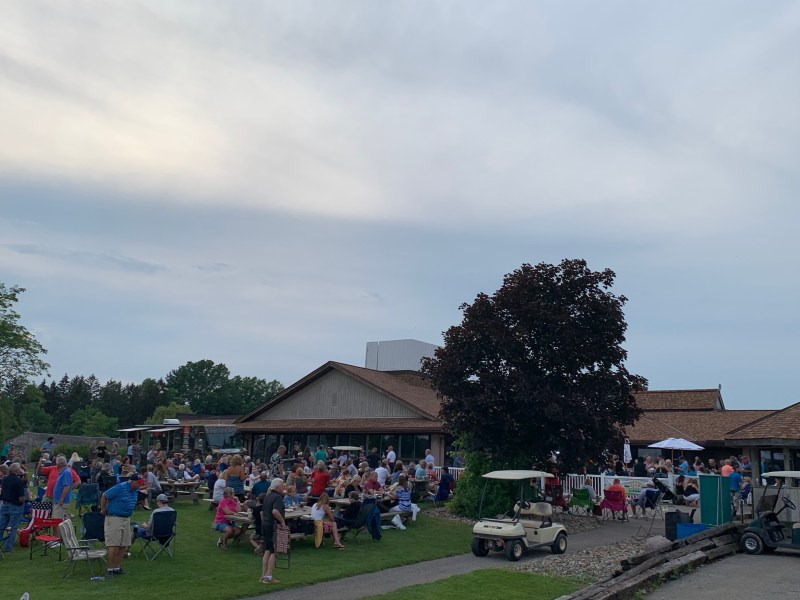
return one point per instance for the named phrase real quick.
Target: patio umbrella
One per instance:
(676, 444)
(626, 452)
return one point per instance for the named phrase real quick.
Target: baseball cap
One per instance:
(134, 477)
(162, 498)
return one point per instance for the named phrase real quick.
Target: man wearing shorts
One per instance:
(117, 504)
(271, 519)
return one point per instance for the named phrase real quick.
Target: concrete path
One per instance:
(425, 572)
(740, 576)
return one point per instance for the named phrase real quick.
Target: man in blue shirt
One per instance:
(117, 504)
(683, 468)
(62, 492)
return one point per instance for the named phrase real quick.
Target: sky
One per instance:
(271, 185)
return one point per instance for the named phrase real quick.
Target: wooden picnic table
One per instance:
(176, 489)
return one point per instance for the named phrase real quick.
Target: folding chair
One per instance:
(361, 522)
(283, 546)
(581, 501)
(652, 501)
(421, 491)
(159, 539)
(614, 502)
(88, 495)
(39, 511)
(79, 551)
(94, 526)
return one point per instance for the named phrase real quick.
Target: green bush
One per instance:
(500, 495)
(68, 449)
(34, 455)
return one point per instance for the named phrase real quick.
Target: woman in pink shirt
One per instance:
(227, 507)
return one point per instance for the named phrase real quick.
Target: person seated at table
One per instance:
(185, 474)
(292, 499)
(397, 471)
(340, 485)
(691, 492)
(371, 485)
(228, 506)
(321, 511)
(143, 530)
(319, 481)
(301, 484)
(218, 492)
(161, 471)
(256, 509)
(235, 475)
(260, 486)
(430, 471)
(680, 488)
(401, 493)
(444, 486)
(354, 486)
(411, 471)
(335, 472)
(347, 516)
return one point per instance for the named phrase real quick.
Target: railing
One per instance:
(454, 471)
(633, 485)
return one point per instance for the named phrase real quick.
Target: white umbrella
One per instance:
(676, 444)
(626, 452)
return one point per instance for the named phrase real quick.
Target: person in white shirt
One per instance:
(383, 473)
(429, 458)
(391, 457)
(219, 490)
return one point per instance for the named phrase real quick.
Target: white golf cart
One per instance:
(528, 526)
(766, 533)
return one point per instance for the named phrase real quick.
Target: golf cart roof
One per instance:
(517, 475)
(783, 474)
(347, 448)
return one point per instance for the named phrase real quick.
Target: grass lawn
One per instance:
(487, 583)
(210, 573)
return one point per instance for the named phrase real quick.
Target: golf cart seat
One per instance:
(539, 514)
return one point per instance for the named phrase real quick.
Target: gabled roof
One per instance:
(382, 425)
(408, 388)
(777, 425)
(195, 420)
(679, 400)
(704, 428)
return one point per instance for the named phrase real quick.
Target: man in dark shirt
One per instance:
(271, 519)
(374, 459)
(13, 497)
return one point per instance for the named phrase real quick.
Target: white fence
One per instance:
(454, 471)
(633, 485)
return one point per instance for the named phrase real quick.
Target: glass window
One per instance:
(374, 441)
(389, 440)
(356, 439)
(422, 443)
(405, 451)
(312, 441)
(325, 441)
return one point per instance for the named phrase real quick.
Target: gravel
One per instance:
(588, 565)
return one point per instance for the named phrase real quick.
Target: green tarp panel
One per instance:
(715, 499)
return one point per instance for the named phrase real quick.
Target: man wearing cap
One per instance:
(143, 529)
(646, 498)
(271, 519)
(117, 504)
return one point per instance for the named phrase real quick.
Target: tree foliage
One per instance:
(538, 368)
(20, 352)
(170, 411)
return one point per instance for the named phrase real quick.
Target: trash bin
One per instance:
(671, 521)
(687, 529)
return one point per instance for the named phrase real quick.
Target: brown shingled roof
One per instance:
(777, 425)
(679, 399)
(411, 389)
(704, 428)
(387, 425)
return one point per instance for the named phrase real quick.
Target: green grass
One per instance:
(488, 583)
(210, 573)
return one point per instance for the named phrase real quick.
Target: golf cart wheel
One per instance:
(479, 547)
(514, 550)
(559, 544)
(752, 544)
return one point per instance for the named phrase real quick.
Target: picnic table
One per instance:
(176, 489)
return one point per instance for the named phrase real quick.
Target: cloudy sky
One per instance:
(273, 184)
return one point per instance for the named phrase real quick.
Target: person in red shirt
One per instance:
(52, 475)
(319, 481)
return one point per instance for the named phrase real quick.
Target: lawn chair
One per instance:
(94, 526)
(39, 511)
(79, 551)
(88, 495)
(157, 541)
(614, 502)
(581, 501)
(283, 546)
(47, 535)
(554, 493)
(362, 521)
(653, 502)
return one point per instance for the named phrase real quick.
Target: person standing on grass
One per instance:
(117, 504)
(62, 490)
(271, 519)
(13, 499)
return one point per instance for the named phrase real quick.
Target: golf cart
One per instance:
(766, 533)
(529, 525)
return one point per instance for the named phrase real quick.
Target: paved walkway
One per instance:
(433, 570)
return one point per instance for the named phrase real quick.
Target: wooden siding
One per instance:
(337, 396)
